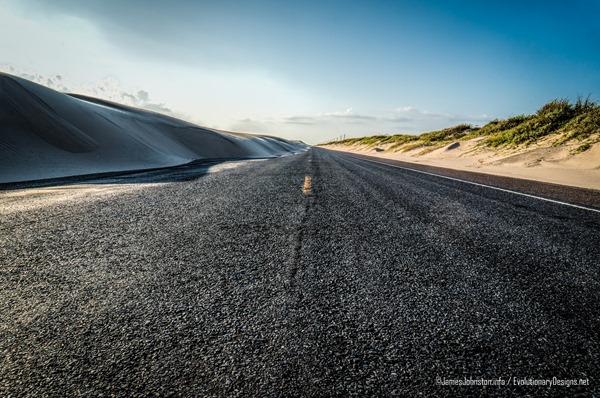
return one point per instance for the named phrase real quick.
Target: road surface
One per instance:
(319, 274)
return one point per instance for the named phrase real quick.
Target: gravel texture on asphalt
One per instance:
(376, 281)
(575, 195)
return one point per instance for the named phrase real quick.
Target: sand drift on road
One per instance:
(47, 134)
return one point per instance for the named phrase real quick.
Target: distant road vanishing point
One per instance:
(315, 274)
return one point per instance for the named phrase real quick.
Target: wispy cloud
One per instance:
(109, 89)
(407, 119)
(320, 126)
(417, 121)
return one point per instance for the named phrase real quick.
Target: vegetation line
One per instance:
(565, 121)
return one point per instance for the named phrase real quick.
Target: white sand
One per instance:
(541, 162)
(46, 134)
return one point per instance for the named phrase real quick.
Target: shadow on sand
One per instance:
(185, 172)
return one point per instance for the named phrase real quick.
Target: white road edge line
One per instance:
(481, 185)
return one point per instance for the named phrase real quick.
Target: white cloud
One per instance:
(323, 126)
(109, 89)
(410, 119)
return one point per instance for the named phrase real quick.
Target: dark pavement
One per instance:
(370, 281)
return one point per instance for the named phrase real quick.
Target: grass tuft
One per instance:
(583, 148)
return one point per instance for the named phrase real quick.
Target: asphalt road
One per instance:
(250, 279)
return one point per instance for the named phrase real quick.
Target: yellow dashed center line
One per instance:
(307, 189)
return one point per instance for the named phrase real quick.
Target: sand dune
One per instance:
(46, 134)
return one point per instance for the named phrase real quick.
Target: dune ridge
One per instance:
(48, 134)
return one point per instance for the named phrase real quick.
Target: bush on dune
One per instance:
(498, 125)
(583, 126)
(447, 134)
(558, 116)
(401, 139)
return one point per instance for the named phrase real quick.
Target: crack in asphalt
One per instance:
(309, 201)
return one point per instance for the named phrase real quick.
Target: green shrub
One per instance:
(584, 106)
(557, 116)
(557, 108)
(583, 148)
(400, 140)
(450, 133)
(583, 126)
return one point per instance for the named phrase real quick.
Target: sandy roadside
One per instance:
(541, 162)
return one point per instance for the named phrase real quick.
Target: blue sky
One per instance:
(313, 70)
